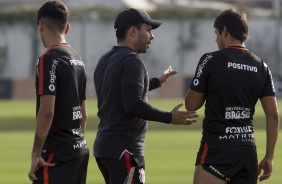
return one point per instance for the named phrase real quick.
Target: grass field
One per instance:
(170, 150)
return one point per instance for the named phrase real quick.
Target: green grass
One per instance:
(169, 155)
(170, 150)
(20, 114)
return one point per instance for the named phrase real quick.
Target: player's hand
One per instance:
(36, 163)
(265, 169)
(167, 73)
(183, 117)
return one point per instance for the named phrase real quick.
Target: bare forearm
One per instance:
(272, 129)
(194, 100)
(83, 125)
(42, 128)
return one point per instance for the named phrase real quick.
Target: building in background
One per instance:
(179, 42)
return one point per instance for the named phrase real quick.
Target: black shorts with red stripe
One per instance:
(128, 169)
(72, 171)
(233, 163)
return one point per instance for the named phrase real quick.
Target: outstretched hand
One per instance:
(183, 117)
(265, 169)
(167, 73)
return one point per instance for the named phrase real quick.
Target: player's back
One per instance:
(233, 80)
(61, 73)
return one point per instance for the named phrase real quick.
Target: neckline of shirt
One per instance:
(60, 44)
(237, 47)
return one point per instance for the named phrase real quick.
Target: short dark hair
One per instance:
(55, 15)
(121, 33)
(235, 22)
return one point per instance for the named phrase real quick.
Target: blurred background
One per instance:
(186, 33)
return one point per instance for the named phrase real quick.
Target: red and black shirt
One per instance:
(232, 79)
(60, 72)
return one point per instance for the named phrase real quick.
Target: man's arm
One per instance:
(132, 91)
(194, 100)
(84, 116)
(158, 82)
(270, 108)
(43, 124)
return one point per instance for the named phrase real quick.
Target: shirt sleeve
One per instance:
(154, 84)
(269, 88)
(47, 73)
(200, 80)
(133, 88)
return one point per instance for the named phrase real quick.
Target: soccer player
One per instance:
(122, 84)
(230, 81)
(60, 153)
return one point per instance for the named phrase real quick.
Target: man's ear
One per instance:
(132, 31)
(225, 32)
(67, 28)
(41, 25)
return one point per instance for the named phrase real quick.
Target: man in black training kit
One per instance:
(231, 81)
(122, 84)
(60, 153)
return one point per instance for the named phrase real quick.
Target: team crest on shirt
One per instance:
(142, 175)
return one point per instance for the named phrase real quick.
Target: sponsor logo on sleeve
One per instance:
(52, 74)
(200, 69)
(37, 72)
(141, 175)
(272, 83)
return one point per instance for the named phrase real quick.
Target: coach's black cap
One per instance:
(132, 17)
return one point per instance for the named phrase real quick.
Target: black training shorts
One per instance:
(126, 170)
(234, 164)
(72, 171)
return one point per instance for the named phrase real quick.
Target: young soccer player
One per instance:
(60, 153)
(230, 81)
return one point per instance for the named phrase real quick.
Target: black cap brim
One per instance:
(154, 23)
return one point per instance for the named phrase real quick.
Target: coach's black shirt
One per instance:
(60, 72)
(121, 84)
(233, 79)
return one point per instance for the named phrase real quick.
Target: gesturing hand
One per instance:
(182, 117)
(167, 73)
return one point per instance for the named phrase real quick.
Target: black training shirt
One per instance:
(60, 72)
(122, 83)
(233, 79)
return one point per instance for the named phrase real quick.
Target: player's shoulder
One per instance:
(209, 56)
(127, 55)
(50, 57)
(255, 57)
(52, 52)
